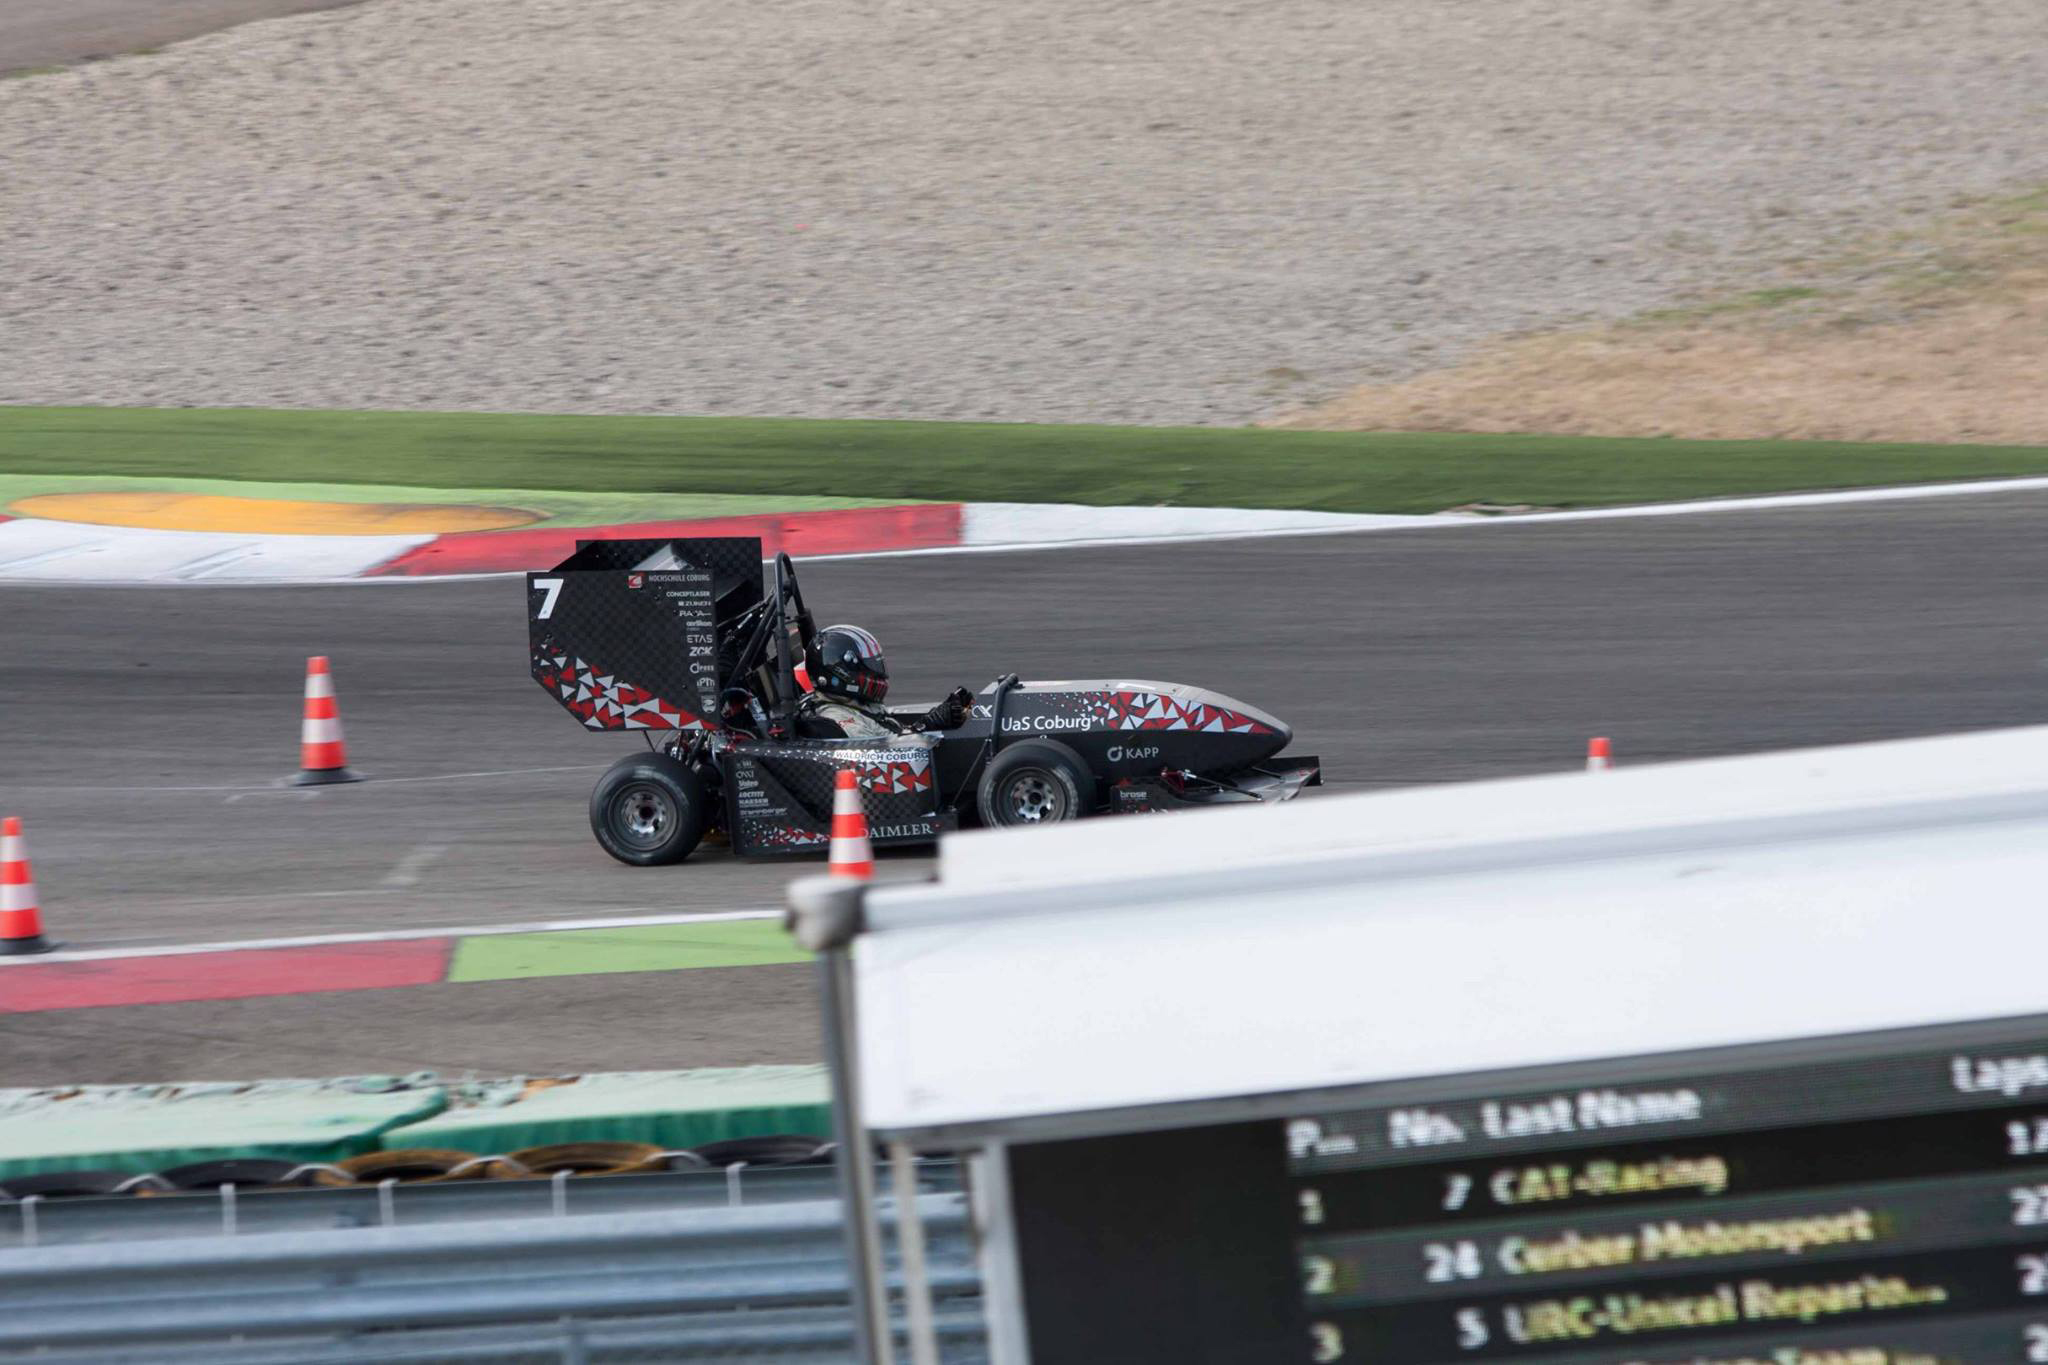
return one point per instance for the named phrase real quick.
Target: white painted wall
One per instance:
(1457, 929)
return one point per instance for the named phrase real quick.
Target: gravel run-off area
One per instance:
(1151, 211)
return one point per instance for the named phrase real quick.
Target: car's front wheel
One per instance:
(1035, 782)
(649, 809)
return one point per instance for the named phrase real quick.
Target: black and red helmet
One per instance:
(850, 664)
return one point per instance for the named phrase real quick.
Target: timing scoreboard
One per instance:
(1878, 1199)
(1739, 1062)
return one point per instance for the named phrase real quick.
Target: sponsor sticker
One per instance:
(1038, 723)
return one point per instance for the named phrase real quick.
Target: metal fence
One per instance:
(228, 1211)
(605, 1274)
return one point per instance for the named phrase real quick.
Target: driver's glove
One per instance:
(951, 713)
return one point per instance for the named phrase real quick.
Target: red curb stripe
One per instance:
(837, 531)
(235, 975)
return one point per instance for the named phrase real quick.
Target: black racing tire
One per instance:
(649, 809)
(768, 1149)
(244, 1172)
(1035, 782)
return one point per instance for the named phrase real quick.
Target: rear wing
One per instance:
(625, 634)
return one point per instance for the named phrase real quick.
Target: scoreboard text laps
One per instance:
(1878, 1210)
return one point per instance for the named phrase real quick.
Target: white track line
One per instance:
(280, 786)
(1900, 493)
(553, 926)
(410, 868)
(1436, 522)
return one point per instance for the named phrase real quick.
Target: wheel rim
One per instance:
(644, 817)
(1034, 797)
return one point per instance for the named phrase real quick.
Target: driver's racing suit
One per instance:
(858, 720)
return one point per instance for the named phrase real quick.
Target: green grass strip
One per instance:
(946, 461)
(642, 948)
(554, 506)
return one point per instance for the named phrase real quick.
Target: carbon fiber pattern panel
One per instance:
(629, 649)
(782, 793)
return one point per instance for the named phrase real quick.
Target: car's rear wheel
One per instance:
(649, 809)
(1035, 782)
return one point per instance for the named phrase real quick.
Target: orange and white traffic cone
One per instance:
(852, 855)
(1599, 755)
(323, 757)
(21, 919)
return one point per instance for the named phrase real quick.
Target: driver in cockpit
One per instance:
(848, 687)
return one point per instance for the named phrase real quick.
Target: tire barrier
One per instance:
(410, 1165)
(422, 1166)
(351, 1126)
(245, 1173)
(775, 1149)
(81, 1184)
(588, 1158)
(674, 1110)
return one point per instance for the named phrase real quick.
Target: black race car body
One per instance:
(678, 640)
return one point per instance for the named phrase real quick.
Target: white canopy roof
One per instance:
(1341, 941)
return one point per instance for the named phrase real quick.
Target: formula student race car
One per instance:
(677, 638)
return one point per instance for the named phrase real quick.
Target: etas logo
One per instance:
(1118, 754)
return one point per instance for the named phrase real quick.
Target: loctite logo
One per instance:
(1011, 723)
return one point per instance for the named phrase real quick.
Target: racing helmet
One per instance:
(849, 664)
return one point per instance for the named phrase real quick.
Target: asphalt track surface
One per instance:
(40, 33)
(141, 732)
